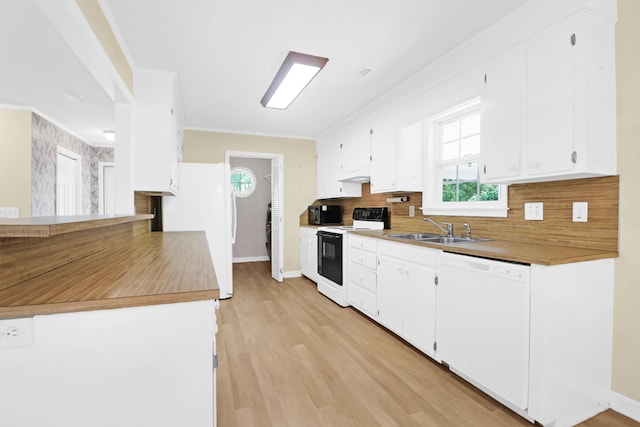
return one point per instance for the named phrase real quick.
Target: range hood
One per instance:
(360, 175)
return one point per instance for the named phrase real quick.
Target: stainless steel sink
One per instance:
(414, 236)
(435, 238)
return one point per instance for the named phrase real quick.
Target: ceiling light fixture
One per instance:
(110, 135)
(295, 73)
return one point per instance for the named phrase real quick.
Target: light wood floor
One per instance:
(288, 356)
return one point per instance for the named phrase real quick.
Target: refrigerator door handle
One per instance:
(234, 217)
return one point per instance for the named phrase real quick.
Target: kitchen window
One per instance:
(453, 185)
(243, 182)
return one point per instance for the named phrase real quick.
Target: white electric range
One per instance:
(333, 251)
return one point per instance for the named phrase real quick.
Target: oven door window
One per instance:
(330, 256)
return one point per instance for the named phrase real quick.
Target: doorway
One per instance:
(106, 188)
(267, 171)
(68, 182)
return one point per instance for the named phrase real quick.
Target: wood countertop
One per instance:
(528, 253)
(48, 226)
(150, 268)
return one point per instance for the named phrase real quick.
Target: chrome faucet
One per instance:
(448, 231)
(468, 228)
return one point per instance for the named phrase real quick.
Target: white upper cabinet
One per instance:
(384, 134)
(330, 172)
(356, 154)
(501, 117)
(157, 133)
(409, 157)
(396, 155)
(548, 105)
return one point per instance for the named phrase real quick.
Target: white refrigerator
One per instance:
(205, 202)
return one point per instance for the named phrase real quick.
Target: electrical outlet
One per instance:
(533, 211)
(412, 211)
(16, 333)
(580, 211)
(9, 212)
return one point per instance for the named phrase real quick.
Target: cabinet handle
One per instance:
(484, 169)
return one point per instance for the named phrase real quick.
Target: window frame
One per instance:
(432, 192)
(247, 172)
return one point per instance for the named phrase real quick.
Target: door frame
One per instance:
(277, 241)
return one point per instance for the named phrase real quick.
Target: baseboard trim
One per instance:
(291, 274)
(250, 259)
(625, 406)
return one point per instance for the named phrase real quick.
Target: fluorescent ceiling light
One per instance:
(295, 73)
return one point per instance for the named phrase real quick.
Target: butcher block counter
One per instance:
(99, 263)
(528, 253)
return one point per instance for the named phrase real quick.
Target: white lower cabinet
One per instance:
(571, 341)
(536, 338)
(309, 253)
(407, 292)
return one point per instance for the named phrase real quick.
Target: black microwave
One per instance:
(325, 214)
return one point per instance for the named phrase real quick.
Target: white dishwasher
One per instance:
(482, 330)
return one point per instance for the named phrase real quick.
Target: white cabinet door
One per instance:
(308, 252)
(571, 336)
(383, 155)
(304, 252)
(329, 172)
(501, 117)
(390, 278)
(329, 169)
(356, 151)
(409, 157)
(550, 103)
(419, 307)
(155, 146)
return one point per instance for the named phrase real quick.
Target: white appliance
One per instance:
(333, 253)
(205, 202)
(483, 325)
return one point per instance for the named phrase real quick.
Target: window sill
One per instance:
(498, 212)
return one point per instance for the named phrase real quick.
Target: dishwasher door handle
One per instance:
(478, 266)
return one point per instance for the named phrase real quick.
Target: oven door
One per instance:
(330, 256)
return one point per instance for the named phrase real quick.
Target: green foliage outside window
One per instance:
(469, 191)
(242, 181)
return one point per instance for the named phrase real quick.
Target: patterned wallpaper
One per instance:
(45, 139)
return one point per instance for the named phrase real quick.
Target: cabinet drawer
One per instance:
(364, 258)
(363, 243)
(363, 300)
(362, 277)
(410, 253)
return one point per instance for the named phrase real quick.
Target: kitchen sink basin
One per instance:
(414, 236)
(435, 238)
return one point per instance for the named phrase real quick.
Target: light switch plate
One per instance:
(533, 211)
(412, 211)
(580, 211)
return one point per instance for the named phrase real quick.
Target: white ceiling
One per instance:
(226, 52)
